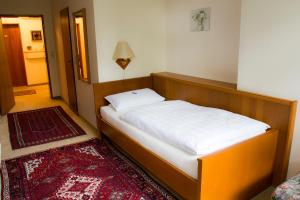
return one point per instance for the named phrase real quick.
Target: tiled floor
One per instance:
(40, 100)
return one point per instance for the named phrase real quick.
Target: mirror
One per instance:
(81, 43)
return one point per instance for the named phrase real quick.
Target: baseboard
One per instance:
(38, 84)
(57, 98)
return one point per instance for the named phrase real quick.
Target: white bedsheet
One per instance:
(194, 129)
(185, 162)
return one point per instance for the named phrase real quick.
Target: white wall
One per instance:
(38, 7)
(269, 55)
(212, 54)
(85, 94)
(35, 59)
(142, 24)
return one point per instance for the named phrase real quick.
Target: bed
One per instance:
(245, 168)
(170, 129)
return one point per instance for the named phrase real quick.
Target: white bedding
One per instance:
(186, 162)
(194, 129)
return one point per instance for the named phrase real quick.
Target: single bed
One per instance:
(173, 118)
(237, 171)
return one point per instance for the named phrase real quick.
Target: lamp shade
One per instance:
(123, 51)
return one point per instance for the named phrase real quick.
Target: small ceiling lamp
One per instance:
(123, 54)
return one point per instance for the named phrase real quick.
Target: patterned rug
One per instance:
(41, 126)
(90, 170)
(24, 92)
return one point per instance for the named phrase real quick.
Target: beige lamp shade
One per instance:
(123, 54)
(123, 51)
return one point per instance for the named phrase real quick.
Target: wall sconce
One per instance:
(123, 54)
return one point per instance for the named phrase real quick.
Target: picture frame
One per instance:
(200, 19)
(36, 35)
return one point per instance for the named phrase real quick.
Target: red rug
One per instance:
(41, 126)
(90, 170)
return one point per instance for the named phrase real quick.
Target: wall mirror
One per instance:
(81, 43)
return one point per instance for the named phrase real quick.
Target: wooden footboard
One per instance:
(239, 172)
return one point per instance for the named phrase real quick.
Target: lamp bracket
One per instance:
(123, 63)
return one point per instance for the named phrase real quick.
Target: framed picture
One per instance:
(200, 20)
(36, 35)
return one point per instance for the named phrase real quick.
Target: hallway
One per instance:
(35, 101)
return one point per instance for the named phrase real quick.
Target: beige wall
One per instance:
(38, 7)
(269, 55)
(145, 34)
(85, 95)
(35, 60)
(142, 24)
(212, 54)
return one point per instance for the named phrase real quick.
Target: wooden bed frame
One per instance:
(238, 172)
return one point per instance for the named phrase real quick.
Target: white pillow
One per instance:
(130, 99)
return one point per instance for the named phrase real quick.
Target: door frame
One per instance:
(45, 43)
(74, 107)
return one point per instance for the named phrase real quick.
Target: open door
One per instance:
(7, 100)
(14, 52)
(66, 36)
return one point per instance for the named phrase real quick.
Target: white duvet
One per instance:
(195, 129)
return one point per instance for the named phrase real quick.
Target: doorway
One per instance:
(26, 53)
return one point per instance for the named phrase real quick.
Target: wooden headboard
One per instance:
(279, 113)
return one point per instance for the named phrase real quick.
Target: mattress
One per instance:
(198, 130)
(185, 162)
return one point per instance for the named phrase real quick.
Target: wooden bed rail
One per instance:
(239, 172)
